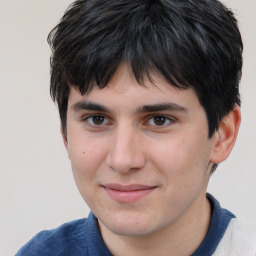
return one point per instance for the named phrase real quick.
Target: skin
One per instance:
(120, 141)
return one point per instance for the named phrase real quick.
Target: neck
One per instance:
(181, 238)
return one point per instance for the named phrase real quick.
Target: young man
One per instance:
(148, 95)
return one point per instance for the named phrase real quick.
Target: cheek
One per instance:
(171, 155)
(86, 160)
(183, 166)
(86, 157)
(182, 160)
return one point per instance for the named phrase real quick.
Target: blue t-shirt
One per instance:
(82, 237)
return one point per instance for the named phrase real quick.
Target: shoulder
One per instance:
(60, 241)
(79, 237)
(237, 240)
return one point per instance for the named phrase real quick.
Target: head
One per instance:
(131, 58)
(190, 43)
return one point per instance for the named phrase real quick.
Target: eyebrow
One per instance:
(88, 105)
(162, 107)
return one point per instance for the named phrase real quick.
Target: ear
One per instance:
(225, 137)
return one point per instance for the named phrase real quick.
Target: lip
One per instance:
(128, 193)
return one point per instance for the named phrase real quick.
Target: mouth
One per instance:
(128, 193)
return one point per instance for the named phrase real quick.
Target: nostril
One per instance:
(125, 163)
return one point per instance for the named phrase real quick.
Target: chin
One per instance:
(131, 230)
(130, 224)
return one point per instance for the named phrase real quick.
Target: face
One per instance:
(140, 154)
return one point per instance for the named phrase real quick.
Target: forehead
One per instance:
(123, 89)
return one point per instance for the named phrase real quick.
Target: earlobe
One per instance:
(225, 137)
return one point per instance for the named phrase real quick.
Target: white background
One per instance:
(37, 190)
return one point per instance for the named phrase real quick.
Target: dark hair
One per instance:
(192, 43)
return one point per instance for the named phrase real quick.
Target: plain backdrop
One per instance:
(37, 190)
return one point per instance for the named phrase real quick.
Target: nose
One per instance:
(126, 150)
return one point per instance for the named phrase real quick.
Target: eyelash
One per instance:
(88, 117)
(168, 119)
(107, 121)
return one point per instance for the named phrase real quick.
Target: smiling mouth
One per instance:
(129, 193)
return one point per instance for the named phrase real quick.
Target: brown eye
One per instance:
(96, 120)
(159, 121)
